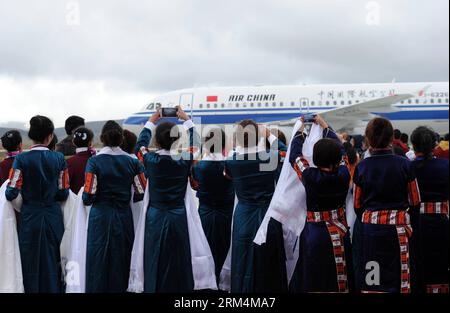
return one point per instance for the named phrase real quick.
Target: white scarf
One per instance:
(73, 255)
(11, 279)
(288, 205)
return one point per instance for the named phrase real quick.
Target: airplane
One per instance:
(346, 107)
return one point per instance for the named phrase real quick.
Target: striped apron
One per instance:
(402, 223)
(337, 228)
(435, 208)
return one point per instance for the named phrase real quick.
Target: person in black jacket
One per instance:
(66, 146)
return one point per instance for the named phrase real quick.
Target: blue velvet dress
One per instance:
(216, 197)
(109, 181)
(256, 268)
(320, 267)
(167, 253)
(433, 179)
(41, 177)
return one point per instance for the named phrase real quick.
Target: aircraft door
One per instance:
(304, 105)
(187, 102)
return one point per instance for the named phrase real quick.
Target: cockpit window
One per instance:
(151, 106)
(158, 106)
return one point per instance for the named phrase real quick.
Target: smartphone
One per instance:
(169, 112)
(309, 118)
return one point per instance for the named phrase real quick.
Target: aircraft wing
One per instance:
(350, 117)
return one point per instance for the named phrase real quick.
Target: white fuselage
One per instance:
(275, 104)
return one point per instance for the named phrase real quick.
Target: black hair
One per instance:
(397, 134)
(214, 142)
(379, 133)
(82, 137)
(359, 139)
(11, 140)
(165, 137)
(247, 134)
(112, 134)
(423, 141)
(40, 128)
(350, 152)
(129, 142)
(404, 138)
(72, 123)
(327, 152)
(447, 137)
(52, 145)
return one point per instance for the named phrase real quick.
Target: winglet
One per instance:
(423, 91)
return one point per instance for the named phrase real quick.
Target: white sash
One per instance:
(203, 268)
(75, 266)
(225, 273)
(11, 279)
(350, 211)
(288, 205)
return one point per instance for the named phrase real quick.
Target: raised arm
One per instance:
(194, 138)
(145, 136)
(296, 159)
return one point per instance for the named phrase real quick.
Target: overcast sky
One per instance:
(107, 58)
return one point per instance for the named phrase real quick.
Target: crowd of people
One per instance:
(399, 186)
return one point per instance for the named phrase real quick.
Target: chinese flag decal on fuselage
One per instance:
(212, 98)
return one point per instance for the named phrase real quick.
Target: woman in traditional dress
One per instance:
(12, 143)
(167, 253)
(325, 251)
(216, 196)
(110, 177)
(433, 179)
(386, 195)
(253, 170)
(41, 177)
(82, 139)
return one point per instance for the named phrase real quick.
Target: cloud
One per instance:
(147, 47)
(60, 99)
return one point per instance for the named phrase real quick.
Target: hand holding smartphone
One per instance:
(169, 112)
